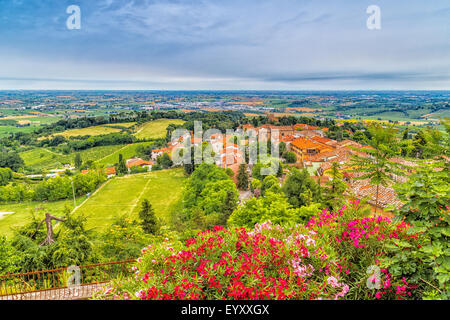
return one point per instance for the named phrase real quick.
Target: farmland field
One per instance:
(90, 131)
(124, 125)
(12, 127)
(127, 152)
(44, 158)
(155, 129)
(123, 195)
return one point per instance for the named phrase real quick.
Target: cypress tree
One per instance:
(148, 219)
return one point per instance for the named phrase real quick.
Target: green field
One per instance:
(90, 131)
(118, 196)
(123, 195)
(124, 125)
(127, 151)
(45, 158)
(6, 129)
(22, 212)
(155, 129)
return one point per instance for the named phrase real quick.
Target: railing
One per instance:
(75, 282)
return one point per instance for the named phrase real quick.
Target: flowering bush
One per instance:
(363, 246)
(326, 259)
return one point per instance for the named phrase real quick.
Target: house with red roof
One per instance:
(139, 162)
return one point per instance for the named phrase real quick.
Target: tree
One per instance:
(209, 197)
(78, 161)
(11, 160)
(290, 157)
(359, 136)
(373, 162)
(300, 189)
(121, 166)
(164, 161)
(273, 207)
(242, 177)
(282, 147)
(148, 219)
(334, 194)
(426, 198)
(218, 201)
(405, 134)
(6, 176)
(270, 184)
(48, 222)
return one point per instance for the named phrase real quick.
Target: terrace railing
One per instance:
(72, 283)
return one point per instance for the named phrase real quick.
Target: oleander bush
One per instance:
(336, 255)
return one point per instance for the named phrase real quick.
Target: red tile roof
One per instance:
(138, 162)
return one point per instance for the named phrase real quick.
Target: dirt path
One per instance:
(109, 155)
(74, 209)
(140, 195)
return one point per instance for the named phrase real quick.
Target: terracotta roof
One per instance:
(163, 150)
(386, 195)
(138, 162)
(324, 140)
(303, 126)
(323, 156)
(308, 133)
(347, 142)
(110, 170)
(288, 138)
(305, 143)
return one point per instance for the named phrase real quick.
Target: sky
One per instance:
(225, 45)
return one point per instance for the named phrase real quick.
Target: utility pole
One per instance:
(73, 193)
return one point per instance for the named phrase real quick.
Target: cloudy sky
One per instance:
(225, 44)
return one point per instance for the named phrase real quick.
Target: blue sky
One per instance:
(225, 44)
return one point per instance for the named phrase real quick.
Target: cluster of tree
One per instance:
(35, 247)
(145, 151)
(6, 175)
(11, 160)
(426, 143)
(289, 120)
(287, 204)
(163, 162)
(85, 122)
(347, 131)
(87, 142)
(52, 189)
(271, 166)
(209, 198)
(53, 141)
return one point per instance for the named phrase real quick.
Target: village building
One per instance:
(158, 152)
(139, 162)
(304, 148)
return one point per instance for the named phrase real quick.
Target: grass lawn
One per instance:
(22, 212)
(155, 129)
(123, 195)
(90, 131)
